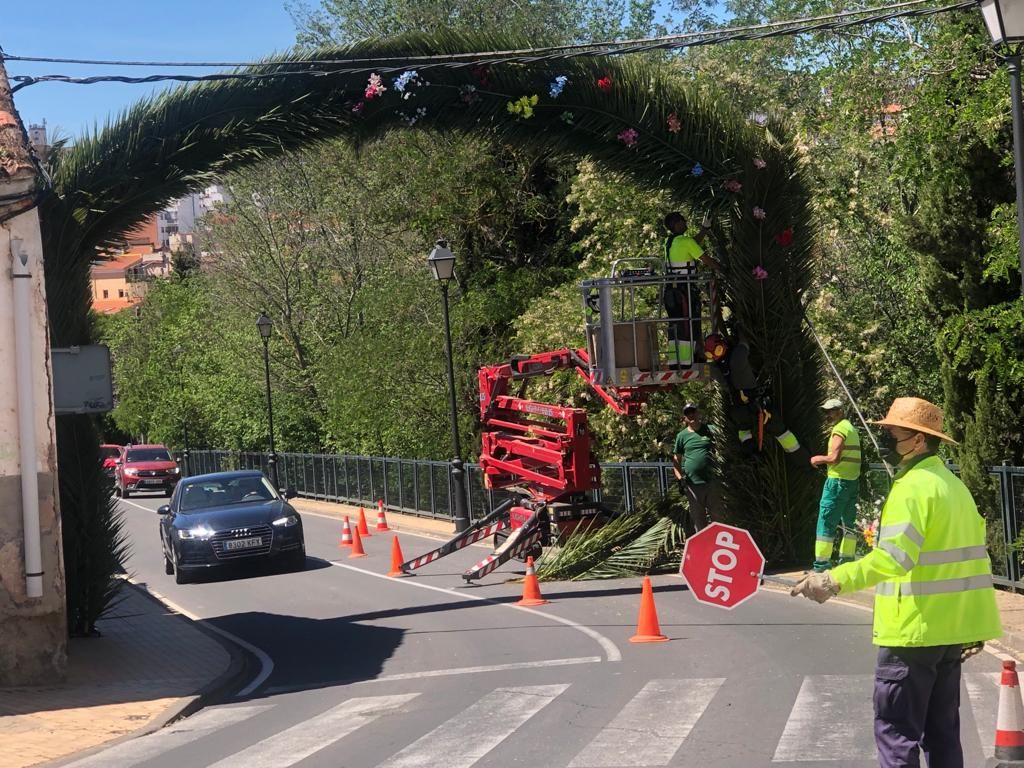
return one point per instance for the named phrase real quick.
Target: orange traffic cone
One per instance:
(531, 589)
(364, 531)
(1010, 720)
(382, 522)
(357, 544)
(346, 534)
(647, 629)
(396, 559)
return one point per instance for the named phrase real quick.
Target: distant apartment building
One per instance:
(180, 217)
(122, 280)
(37, 138)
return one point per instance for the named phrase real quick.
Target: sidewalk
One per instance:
(149, 666)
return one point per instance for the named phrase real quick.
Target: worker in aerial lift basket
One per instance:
(682, 298)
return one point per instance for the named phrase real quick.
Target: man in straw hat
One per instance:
(934, 600)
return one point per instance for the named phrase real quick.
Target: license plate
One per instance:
(243, 543)
(152, 482)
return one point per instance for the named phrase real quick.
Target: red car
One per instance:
(146, 468)
(110, 453)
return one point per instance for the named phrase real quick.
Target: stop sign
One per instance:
(722, 565)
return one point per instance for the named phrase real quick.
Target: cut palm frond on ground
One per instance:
(630, 544)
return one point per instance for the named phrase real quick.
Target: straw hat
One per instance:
(915, 414)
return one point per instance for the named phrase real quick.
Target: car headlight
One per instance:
(131, 472)
(175, 470)
(286, 522)
(199, 532)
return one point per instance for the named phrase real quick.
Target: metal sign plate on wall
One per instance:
(82, 381)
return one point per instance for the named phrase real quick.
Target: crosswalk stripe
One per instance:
(983, 693)
(652, 726)
(300, 741)
(130, 753)
(465, 738)
(832, 719)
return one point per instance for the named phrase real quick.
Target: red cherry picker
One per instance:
(543, 453)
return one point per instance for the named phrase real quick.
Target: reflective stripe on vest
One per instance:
(906, 562)
(788, 441)
(958, 555)
(942, 587)
(906, 529)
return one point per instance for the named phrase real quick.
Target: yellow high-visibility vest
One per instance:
(930, 565)
(848, 467)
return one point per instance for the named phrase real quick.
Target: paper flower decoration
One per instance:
(605, 84)
(404, 81)
(759, 272)
(557, 86)
(357, 108)
(568, 118)
(760, 164)
(732, 185)
(628, 137)
(759, 213)
(697, 170)
(523, 106)
(481, 75)
(785, 237)
(375, 87)
(468, 94)
(674, 126)
(411, 119)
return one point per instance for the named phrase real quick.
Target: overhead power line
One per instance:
(527, 56)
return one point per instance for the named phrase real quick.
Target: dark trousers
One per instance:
(702, 502)
(917, 706)
(682, 300)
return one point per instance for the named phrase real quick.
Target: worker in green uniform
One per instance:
(694, 468)
(838, 506)
(682, 297)
(934, 600)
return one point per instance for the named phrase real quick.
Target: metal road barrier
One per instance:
(423, 488)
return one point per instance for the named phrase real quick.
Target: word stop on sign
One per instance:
(722, 565)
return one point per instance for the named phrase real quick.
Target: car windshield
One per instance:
(148, 454)
(204, 494)
(110, 453)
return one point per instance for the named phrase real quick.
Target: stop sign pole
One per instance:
(723, 566)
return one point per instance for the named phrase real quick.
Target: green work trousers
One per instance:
(838, 508)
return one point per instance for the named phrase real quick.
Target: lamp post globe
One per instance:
(1004, 20)
(442, 266)
(266, 326)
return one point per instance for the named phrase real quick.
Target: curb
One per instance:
(242, 667)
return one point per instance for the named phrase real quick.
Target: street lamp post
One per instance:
(442, 265)
(1004, 20)
(178, 351)
(266, 326)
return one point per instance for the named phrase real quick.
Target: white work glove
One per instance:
(818, 587)
(970, 650)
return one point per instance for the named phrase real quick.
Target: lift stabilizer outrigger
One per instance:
(542, 453)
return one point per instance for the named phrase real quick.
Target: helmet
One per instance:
(715, 348)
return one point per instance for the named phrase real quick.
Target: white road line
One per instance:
(831, 719)
(307, 738)
(983, 693)
(276, 689)
(465, 738)
(652, 726)
(266, 663)
(611, 651)
(129, 753)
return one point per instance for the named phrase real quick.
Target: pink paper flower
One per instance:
(605, 84)
(759, 272)
(674, 125)
(357, 108)
(375, 87)
(760, 164)
(628, 137)
(732, 185)
(759, 213)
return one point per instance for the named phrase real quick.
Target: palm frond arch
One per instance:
(624, 113)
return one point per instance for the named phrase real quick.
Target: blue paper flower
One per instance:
(697, 170)
(558, 85)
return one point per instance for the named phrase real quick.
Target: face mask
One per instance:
(888, 447)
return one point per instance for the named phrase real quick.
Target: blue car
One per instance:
(226, 518)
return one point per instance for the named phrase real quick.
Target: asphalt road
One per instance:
(360, 670)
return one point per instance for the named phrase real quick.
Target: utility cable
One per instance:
(450, 61)
(607, 44)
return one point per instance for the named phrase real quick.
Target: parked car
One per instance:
(226, 518)
(146, 468)
(110, 454)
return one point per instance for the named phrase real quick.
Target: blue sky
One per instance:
(180, 30)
